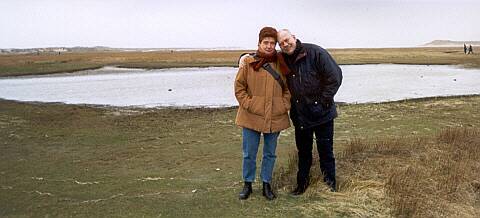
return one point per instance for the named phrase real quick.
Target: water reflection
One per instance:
(213, 87)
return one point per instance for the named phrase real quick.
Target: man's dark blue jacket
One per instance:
(313, 82)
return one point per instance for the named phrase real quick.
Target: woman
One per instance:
(263, 109)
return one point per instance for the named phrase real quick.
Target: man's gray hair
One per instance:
(285, 30)
(288, 32)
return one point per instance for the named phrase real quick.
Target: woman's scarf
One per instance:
(275, 57)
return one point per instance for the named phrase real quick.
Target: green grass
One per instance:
(31, 64)
(84, 161)
(68, 160)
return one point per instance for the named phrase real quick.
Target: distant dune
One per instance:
(450, 43)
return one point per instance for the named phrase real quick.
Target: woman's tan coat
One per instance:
(263, 104)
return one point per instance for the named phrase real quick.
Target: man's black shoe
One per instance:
(299, 190)
(333, 188)
(268, 192)
(332, 184)
(246, 191)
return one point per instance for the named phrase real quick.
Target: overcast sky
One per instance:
(233, 23)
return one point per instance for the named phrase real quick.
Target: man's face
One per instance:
(287, 42)
(267, 45)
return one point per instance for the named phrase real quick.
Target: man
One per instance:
(464, 48)
(470, 49)
(263, 109)
(313, 81)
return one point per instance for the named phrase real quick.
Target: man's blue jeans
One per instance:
(251, 141)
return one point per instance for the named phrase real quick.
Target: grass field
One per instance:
(415, 158)
(67, 160)
(28, 64)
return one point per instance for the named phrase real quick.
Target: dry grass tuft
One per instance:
(456, 135)
(285, 177)
(443, 181)
(400, 177)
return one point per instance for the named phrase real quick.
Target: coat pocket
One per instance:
(278, 106)
(257, 105)
(316, 111)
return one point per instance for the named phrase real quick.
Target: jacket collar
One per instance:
(299, 53)
(302, 54)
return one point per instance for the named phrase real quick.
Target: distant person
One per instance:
(313, 81)
(470, 49)
(464, 48)
(263, 110)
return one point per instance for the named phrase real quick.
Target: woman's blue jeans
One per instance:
(251, 141)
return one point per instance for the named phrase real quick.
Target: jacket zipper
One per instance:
(300, 74)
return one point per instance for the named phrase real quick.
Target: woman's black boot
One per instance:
(268, 192)
(246, 191)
